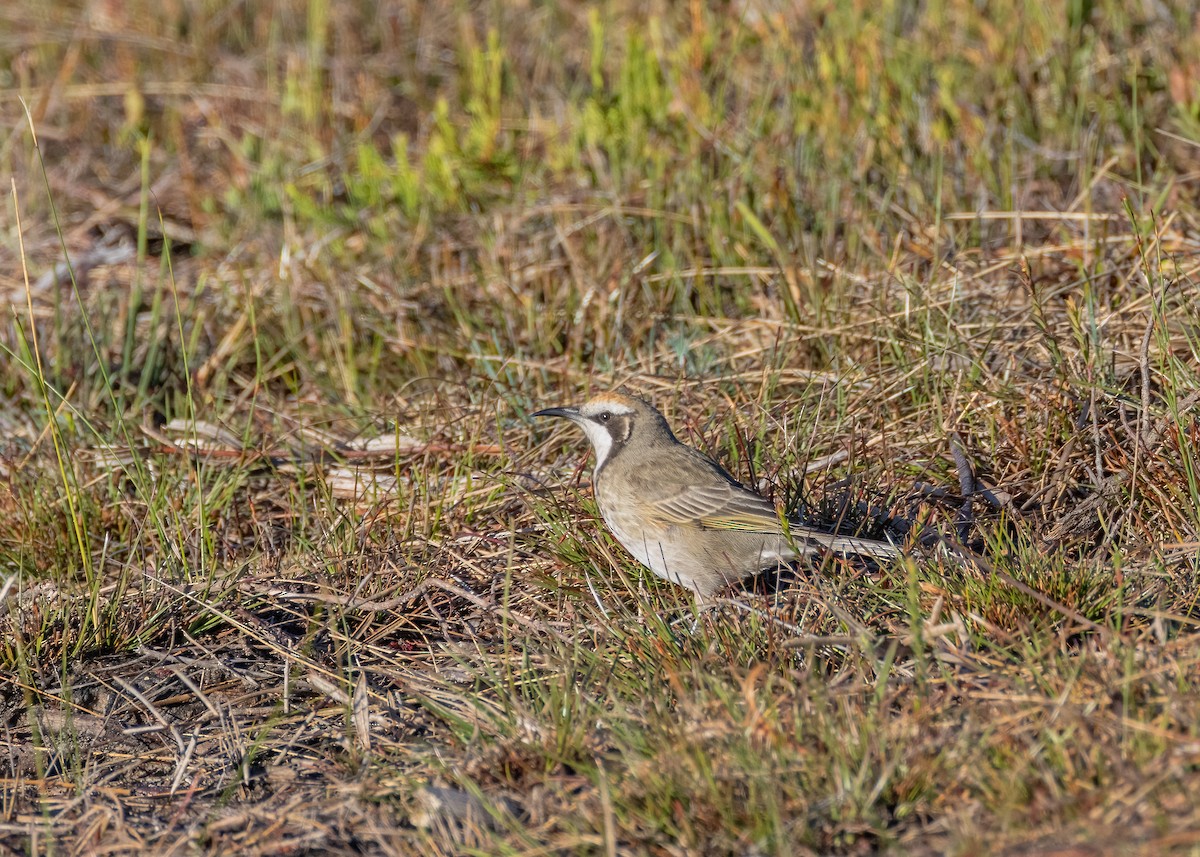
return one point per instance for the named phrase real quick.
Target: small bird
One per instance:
(679, 512)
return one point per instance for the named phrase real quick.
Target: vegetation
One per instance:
(285, 567)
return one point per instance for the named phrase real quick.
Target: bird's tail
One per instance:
(814, 540)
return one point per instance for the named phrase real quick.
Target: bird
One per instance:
(681, 514)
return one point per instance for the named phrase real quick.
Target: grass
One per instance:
(286, 567)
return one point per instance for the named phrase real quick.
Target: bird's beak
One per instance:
(571, 414)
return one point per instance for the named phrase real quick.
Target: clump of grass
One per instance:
(285, 566)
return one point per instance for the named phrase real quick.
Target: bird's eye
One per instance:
(604, 416)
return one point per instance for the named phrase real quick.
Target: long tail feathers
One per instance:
(843, 544)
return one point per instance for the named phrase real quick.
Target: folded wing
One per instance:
(727, 505)
(720, 506)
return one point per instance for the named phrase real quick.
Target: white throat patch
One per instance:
(600, 438)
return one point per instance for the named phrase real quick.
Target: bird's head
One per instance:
(614, 421)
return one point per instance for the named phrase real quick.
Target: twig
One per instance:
(966, 483)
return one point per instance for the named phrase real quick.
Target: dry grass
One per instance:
(287, 569)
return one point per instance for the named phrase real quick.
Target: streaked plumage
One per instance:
(679, 512)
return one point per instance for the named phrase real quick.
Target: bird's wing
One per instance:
(718, 506)
(725, 504)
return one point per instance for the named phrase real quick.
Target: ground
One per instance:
(287, 568)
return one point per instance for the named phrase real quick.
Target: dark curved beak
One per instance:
(571, 414)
